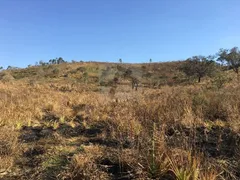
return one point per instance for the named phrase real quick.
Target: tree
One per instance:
(9, 67)
(120, 60)
(1, 68)
(150, 60)
(230, 57)
(54, 61)
(41, 63)
(60, 60)
(198, 66)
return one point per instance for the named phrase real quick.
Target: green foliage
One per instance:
(231, 57)
(198, 66)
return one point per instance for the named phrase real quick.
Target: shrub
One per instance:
(7, 77)
(220, 80)
(56, 71)
(81, 69)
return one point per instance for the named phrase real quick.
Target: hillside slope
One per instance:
(84, 121)
(154, 74)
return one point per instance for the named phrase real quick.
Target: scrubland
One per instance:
(58, 127)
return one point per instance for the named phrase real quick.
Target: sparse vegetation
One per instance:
(90, 124)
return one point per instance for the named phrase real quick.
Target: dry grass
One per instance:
(169, 133)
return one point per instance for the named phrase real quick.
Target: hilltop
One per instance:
(148, 74)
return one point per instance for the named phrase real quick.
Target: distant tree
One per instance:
(1, 68)
(198, 66)
(54, 61)
(120, 60)
(11, 67)
(60, 60)
(230, 57)
(41, 63)
(150, 60)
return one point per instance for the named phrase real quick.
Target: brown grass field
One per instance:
(55, 126)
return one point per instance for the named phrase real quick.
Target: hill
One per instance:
(84, 121)
(149, 74)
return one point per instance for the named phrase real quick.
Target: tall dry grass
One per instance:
(156, 132)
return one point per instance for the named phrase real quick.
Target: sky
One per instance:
(107, 30)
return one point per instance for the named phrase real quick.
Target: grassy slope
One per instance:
(57, 123)
(159, 72)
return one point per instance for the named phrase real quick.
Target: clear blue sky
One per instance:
(106, 30)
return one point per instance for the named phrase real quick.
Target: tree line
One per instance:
(59, 60)
(200, 66)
